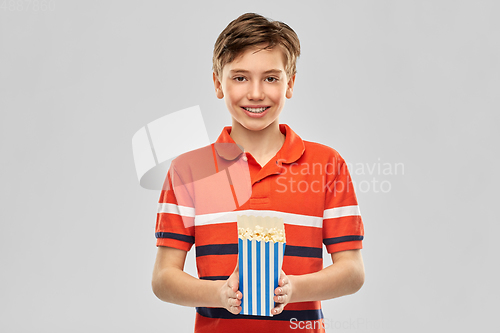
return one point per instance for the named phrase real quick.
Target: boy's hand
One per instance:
(229, 294)
(283, 294)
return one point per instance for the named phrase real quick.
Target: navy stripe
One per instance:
(216, 249)
(171, 235)
(214, 277)
(286, 315)
(336, 240)
(303, 251)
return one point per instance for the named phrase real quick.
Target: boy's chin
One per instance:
(254, 127)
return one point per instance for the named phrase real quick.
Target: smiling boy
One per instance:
(254, 72)
(255, 86)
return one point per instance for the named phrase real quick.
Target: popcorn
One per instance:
(261, 246)
(262, 234)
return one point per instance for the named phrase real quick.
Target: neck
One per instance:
(267, 141)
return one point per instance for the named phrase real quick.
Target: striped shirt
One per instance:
(305, 183)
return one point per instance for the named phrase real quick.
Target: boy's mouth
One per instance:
(256, 110)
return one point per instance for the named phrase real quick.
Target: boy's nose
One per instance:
(256, 92)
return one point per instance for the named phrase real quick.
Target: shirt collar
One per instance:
(292, 149)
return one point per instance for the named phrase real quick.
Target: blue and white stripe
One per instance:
(259, 270)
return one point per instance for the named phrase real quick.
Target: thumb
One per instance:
(234, 279)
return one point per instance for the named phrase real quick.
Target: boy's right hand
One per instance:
(230, 296)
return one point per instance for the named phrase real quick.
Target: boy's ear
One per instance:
(289, 88)
(218, 87)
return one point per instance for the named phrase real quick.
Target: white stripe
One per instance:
(215, 218)
(341, 212)
(271, 277)
(288, 218)
(280, 258)
(254, 277)
(176, 209)
(262, 278)
(245, 276)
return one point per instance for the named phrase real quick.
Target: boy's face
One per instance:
(255, 87)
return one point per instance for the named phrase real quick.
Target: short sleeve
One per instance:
(342, 223)
(175, 217)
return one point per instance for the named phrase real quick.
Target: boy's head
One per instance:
(252, 30)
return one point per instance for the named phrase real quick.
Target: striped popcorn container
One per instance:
(261, 245)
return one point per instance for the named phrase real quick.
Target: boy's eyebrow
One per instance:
(277, 71)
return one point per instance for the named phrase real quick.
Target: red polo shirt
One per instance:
(305, 183)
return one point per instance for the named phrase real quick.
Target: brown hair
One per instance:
(252, 29)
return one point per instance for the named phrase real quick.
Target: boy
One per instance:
(305, 183)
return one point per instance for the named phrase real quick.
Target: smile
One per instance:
(256, 110)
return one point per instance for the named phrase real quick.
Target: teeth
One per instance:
(256, 110)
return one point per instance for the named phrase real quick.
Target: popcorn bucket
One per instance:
(261, 245)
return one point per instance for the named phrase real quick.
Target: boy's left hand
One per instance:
(283, 294)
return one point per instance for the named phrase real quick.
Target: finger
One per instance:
(233, 284)
(280, 298)
(234, 302)
(278, 309)
(235, 309)
(283, 280)
(281, 290)
(231, 294)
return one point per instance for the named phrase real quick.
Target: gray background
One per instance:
(387, 82)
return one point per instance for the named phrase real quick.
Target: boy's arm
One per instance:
(171, 284)
(345, 276)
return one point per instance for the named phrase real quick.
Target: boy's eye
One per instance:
(239, 78)
(271, 79)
